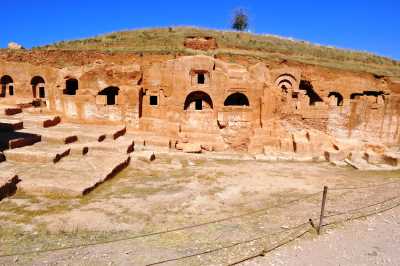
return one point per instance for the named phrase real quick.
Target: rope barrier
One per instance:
(231, 218)
(364, 187)
(327, 224)
(227, 246)
(264, 252)
(363, 215)
(161, 232)
(361, 208)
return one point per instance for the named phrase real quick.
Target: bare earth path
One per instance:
(371, 241)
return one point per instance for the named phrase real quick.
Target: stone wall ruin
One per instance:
(218, 105)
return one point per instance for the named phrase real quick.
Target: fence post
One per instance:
(321, 217)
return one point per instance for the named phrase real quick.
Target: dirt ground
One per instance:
(371, 241)
(181, 190)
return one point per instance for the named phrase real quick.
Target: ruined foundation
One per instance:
(71, 119)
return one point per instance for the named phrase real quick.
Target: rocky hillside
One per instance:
(229, 43)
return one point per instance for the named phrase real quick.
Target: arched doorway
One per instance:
(285, 82)
(38, 87)
(71, 86)
(198, 101)
(310, 92)
(199, 113)
(6, 83)
(111, 95)
(338, 97)
(237, 99)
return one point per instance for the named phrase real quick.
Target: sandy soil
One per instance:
(175, 191)
(371, 241)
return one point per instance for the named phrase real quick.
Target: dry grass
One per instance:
(264, 47)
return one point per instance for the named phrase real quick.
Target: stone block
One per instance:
(8, 184)
(286, 145)
(334, 155)
(191, 148)
(51, 122)
(147, 156)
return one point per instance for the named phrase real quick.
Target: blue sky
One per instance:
(367, 25)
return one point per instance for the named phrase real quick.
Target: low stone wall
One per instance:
(201, 43)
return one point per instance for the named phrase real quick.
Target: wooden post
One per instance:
(321, 217)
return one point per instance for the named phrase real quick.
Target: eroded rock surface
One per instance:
(194, 104)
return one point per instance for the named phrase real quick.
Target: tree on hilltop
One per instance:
(240, 20)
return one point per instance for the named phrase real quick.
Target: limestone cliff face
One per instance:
(365, 120)
(253, 107)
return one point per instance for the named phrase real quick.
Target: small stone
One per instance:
(15, 46)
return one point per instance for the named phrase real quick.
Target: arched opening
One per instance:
(285, 82)
(355, 95)
(373, 93)
(285, 85)
(307, 86)
(198, 100)
(376, 94)
(237, 99)
(110, 93)
(6, 83)
(71, 86)
(338, 96)
(38, 87)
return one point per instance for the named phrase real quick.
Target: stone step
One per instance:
(17, 139)
(38, 120)
(9, 110)
(150, 139)
(9, 124)
(89, 133)
(80, 149)
(52, 136)
(199, 136)
(123, 145)
(41, 152)
(208, 141)
(72, 177)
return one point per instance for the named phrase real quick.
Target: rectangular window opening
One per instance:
(199, 104)
(153, 100)
(42, 93)
(110, 99)
(201, 78)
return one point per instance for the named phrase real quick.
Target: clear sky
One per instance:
(366, 25)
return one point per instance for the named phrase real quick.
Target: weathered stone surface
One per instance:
(10, 124)
(8, 184)
(334, 155)
(147, 156)
(191, 147)
(41, 152)
(195, 103)
(72, 177)
(391, 159)
(201, 43)
(14, 46)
